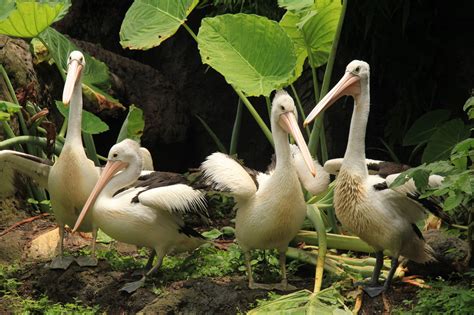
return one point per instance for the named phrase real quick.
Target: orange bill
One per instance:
(74, 70)
(110, 169)
(289, 123)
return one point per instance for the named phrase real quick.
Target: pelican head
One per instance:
(120, 157)
(75, 64)
(285, 115)
(357, 72)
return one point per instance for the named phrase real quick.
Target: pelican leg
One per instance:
(149, 263)
(135, 285)
(377, 268)
(89, 261)
(283, 285)
(374, 291)
(60, 261)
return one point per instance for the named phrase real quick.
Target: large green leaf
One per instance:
(444, 139)
(295, 5)
(133, 125)
(91, 124)
(319, 29)
(6, 7)
(253, 53)
(29, 17)
(96, 74)
(288, 22)
(425, 126)
(150, 22)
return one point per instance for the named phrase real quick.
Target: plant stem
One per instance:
(255, 115)
(38, 141)
(190, 31)
(300, 107)
(236, 129)
(314, 138)
(269, 106)
(315, 217)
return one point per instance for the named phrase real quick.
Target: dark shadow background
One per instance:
(420, 53)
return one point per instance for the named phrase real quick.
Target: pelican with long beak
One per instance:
(385, 218)
(271, 207)
(147, 216)
(71, 178)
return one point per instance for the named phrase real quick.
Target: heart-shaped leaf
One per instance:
(253, 53)
(29, 18)
(133, 125)
(91, 124)
(425, 126)
(149, 22)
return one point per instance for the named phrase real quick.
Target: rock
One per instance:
(452, 253)
(44, 246)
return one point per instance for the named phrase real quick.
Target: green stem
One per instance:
(90, 148)
(190, 31)
(9, 85)
(9, 134)
(300, 107)
(314, 138)
(269, 106)
(38, 141)
(255, 115)
(324, 148)
(236, 129)
(332, 220)
(315, 216)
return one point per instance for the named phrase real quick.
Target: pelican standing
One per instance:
(147, 216)
(384, 218)
(71, 178)
(271, 208)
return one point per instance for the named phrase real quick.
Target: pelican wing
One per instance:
(375, 167)
(406, 196)
(228, 175)
(177, 198)
(32, 166)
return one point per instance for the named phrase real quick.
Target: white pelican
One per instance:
(384, 218)
(147, 216)
(72, 177)
(271, 208)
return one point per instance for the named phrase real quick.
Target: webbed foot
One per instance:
(373, 291)
(87, 261)
(133, 286)
(60, 262)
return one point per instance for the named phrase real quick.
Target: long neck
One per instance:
(282, 148)
(355, 151)
(73, 136)
(123, 179)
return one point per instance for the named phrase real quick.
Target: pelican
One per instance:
(271, 207)
(147, 216)
(385, 218)
(71, 178)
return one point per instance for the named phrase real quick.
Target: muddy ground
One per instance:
(99, 285)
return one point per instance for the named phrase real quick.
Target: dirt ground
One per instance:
(99, 285)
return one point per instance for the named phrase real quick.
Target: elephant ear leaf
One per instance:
(29, 18)
(256, 63)
(148, 23)
(133, 125)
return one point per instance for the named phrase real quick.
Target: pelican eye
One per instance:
(282, 107)
(115, 155)
(357, 69)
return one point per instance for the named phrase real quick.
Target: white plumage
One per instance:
(271, 208)
(142, 216)
(383, 217)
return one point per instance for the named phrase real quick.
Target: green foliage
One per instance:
(7, 108)
(443, 297)
(28, 18)
(327, 301)
(469, 107)
(118, 261)
(258, 63)
(422, 129)
(133, 125)
(91, 124)
(150, 22)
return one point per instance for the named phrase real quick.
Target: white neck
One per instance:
(282, 148)
(354, 158)
(73, 135)
(123, 179)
